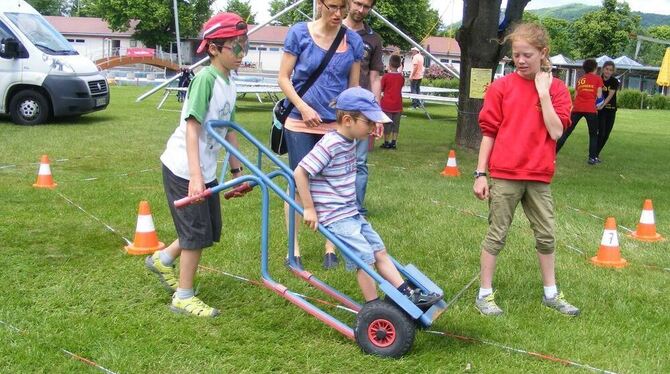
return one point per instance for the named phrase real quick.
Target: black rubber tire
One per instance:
(382, 329)
(29, 107)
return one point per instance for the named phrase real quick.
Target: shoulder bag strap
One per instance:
(312, 78)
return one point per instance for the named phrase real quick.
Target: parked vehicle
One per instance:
(41, 75)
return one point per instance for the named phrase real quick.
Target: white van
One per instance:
(41, 75)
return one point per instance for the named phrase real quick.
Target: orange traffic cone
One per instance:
(44, 178)
(609, 254)
(646, 229)
(451, 170)
(146, 240)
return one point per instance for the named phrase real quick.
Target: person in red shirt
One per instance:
(522, 116)
(392, 83)
(589, 89)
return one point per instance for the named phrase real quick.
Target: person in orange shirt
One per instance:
(588, 91)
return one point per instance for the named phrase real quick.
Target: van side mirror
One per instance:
(9, 48)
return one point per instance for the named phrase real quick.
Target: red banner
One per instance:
(140, 52)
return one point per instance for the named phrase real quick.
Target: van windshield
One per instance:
(42, 34)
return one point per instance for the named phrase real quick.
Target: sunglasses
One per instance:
(333, 9)
(239, 46)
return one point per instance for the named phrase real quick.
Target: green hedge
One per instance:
(628, 99)
(441, 82)
(634, 99)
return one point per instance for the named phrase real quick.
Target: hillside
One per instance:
(571, 12)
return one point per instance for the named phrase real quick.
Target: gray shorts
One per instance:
(392, 126)
(537, 203)
(198, 225)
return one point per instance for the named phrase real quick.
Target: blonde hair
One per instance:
(533, 34)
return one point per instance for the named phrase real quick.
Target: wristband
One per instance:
(236, 170)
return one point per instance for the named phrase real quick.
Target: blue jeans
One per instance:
(414, 85)
(299, 144)
(360, 237)
(361, 174)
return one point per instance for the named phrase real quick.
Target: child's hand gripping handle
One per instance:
(238, 191)
(188, 200)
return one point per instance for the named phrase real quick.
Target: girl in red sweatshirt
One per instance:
(523, 115)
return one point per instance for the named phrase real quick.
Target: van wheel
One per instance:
(29, 107)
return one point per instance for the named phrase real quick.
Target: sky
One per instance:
(452, 10)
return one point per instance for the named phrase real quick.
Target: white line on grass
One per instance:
(519, 350)
(453, 300)
(87, 361)
(460, 293)
(110, 228)
(9, 326)
(596, 217)
(575, 249)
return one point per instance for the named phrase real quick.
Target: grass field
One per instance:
(70, 286)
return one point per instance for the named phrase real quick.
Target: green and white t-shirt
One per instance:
(211, 96)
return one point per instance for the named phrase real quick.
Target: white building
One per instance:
(93, 38)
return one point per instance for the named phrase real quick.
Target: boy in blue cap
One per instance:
(326, 178)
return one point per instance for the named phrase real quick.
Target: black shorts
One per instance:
(198, 225)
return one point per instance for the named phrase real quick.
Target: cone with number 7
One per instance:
(609, 254)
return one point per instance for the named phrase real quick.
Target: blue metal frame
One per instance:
(266, 184)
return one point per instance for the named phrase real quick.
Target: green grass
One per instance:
(69, 285)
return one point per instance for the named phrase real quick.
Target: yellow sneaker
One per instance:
(487, 305)
(166, 274)
(193, 306)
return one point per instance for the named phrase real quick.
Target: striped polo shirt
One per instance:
(331, 165)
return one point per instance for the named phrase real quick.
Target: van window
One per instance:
(4, 31)
(41, 34)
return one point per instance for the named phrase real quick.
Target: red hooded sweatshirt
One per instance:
(512, 115)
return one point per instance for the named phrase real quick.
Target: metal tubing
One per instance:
(327, 289)
(167, 82)
(310, 308)
(417, 45)
(388, 289)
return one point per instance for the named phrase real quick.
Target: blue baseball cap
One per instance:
(357, 99)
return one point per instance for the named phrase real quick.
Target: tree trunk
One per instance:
(479, 37)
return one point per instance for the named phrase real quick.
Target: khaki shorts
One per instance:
(537, 203)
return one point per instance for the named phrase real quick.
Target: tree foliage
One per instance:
(652, 53)
(48, 7)
(560, 31)
(302, 13)
(81, 8)
(243, 9)
(605, 31)
(156, 18)
(415, 18)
